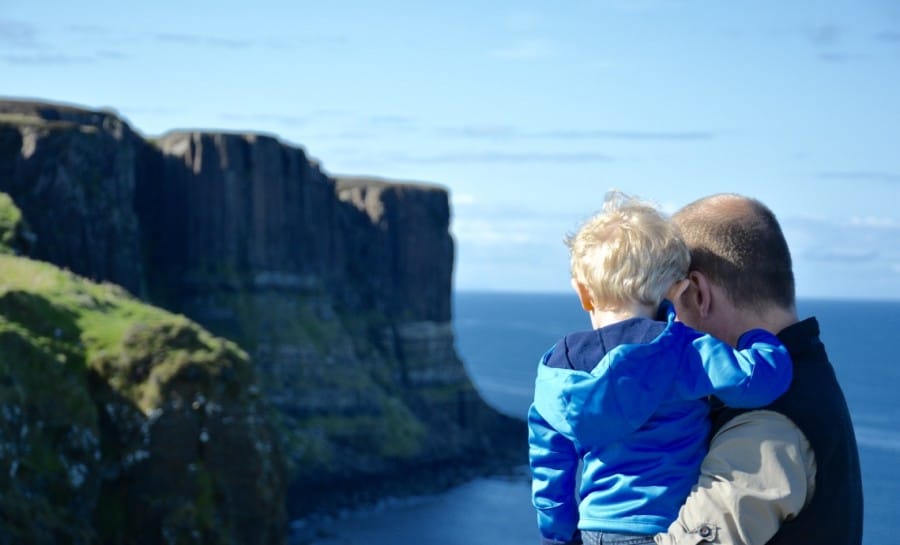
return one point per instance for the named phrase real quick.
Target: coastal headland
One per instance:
(204, 334)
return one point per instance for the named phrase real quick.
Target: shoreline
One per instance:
(502, 447)
(321, 526)
(396, 491)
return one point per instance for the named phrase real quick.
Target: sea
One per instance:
(500, 336)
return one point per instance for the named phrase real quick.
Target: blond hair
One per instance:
(627, 253)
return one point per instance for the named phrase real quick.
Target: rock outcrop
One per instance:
(123, 423)
(72, 172)
(338, 288)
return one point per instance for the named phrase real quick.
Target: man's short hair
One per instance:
(737, 243)
(627, 253)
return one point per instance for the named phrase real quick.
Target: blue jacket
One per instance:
(628, 401)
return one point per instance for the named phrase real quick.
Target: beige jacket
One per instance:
(759, 472)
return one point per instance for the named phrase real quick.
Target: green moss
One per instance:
(299, 323)
(10, 223)
(206, 497)
(447, 393)
(49, 438)
(155, 355)
(310, 446)
(391, 432)
(403, 433)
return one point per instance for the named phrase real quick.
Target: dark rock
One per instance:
(406, 260)
(72, 173)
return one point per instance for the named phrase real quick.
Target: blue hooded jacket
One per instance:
(628, 402)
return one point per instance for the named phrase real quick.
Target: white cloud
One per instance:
(846, 257)
(463, 199)
(875, 222)
(481, 232)
(859, 241)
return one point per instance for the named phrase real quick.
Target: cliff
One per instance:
(121, 422)
(72, 172)
(338, 289)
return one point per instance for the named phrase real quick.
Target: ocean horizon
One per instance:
(501, 335)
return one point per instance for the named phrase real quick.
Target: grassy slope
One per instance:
(74, 354)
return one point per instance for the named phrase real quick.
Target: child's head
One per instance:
(627, 254)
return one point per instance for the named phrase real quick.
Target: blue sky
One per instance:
(527, 111)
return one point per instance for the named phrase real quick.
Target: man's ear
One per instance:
(584, 295)
(700, 293)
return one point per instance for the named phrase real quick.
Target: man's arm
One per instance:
(759, 472)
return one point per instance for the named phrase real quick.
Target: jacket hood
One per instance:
(607, 372)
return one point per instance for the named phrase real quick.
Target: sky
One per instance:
(527, 111)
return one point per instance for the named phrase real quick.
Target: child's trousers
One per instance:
(609, 538)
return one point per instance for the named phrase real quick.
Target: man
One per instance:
(787, 474)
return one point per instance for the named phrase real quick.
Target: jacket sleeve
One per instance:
(759, 472)
(554, 464)
(751, 375)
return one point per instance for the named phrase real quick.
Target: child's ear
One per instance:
(584, 295)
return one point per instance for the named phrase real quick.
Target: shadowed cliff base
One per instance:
(339, 290)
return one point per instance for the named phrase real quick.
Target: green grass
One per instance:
(135, 346)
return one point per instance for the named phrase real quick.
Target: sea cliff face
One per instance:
(339, 289)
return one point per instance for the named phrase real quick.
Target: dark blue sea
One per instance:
(501, 336)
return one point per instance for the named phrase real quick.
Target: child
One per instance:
(627, 400)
